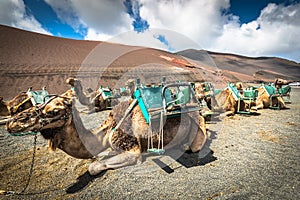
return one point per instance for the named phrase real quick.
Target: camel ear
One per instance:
(1, 98)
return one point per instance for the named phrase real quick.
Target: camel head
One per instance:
(74, 83)
(278, 83)
(54, 113)
(130, 85)
(200, 90)
(239, 86)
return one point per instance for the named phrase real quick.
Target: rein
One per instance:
(30, 172)
(43, 120)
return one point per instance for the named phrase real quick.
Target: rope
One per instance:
(161, 135)
(8, 193)
(150, 134)
(30, 172)
(23, 134)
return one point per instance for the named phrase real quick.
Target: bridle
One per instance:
(44, 120)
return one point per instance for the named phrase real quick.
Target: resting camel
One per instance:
(60, 123)
(227, 100)
(266, 93)
(205, 92)
(94, 100)
(22, 102)
(17, 104)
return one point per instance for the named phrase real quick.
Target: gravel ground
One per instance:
(246, 157)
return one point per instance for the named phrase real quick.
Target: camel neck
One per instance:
(94, 141)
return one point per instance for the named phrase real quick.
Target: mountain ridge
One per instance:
(35, 60)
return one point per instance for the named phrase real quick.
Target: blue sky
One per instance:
(247, 27)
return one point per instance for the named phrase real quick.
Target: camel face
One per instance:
(53, 114)
(278, 83)
(24, 121)
(3, 108)
(200, 90)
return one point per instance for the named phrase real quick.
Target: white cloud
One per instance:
(104, 17)
(197, 19)
(12, 13)
(275, 32)
(92, 34)
(66, 12)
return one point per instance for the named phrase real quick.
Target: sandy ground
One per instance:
(246, 157)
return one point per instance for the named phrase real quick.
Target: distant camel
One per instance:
(205, 92)
(22, 101)
(268, 95)
(97, 100)
(228, 99)
(61, 124)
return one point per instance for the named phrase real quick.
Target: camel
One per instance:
(22, 101)
(268, 95)
(18, 103)
(94, 100)
(225, 100)
(26, 100)
(205, 93)
(228, 100)
(121, 144)
(278, 83)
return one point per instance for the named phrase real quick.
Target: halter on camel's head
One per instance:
(54, 113)
(278, 83)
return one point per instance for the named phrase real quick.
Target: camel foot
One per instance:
(253, 109)
(121, 160)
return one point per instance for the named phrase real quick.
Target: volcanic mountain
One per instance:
(30, 59)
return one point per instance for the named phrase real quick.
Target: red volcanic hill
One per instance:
(246, 69)
(34, 60)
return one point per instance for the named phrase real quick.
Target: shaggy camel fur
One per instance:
(61, 124)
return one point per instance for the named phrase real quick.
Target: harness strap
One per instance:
(229, 96)
(129, 109)
(15, 108)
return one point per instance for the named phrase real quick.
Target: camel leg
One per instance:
(198, 141)
(281, 102)
(121, 160)
(197, 136)
(227, 113)
(258, 106)
(107, 153)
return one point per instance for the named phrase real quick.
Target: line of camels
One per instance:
(113, 143)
